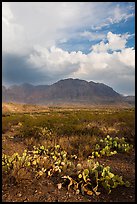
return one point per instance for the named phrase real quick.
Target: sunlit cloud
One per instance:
(36, 37)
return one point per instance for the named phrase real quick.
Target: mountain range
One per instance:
(66, 91)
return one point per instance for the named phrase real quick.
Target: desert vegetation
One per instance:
(68, 154)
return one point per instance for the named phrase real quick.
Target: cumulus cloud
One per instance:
(55, 61)
(7, 15)
(98, 65)
(26, 24)
(45, 66)
(115, 42)
(32, 30)
(12, 33)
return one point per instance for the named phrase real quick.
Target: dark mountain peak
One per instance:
(92, 82)
(64, 91)
(71, 81)
(62, 81)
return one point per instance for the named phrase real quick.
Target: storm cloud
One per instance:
(36, 36)
(18, 70)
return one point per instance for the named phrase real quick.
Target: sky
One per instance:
(44, 42)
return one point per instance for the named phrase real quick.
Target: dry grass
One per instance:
(76, 130)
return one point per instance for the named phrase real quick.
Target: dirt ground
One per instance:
(45, 190)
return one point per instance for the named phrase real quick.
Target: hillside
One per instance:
(63, 91)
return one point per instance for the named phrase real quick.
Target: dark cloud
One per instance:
(16, 70)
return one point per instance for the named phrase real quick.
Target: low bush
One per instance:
(55, 161)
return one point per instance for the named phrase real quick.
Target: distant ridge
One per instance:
(64, 91)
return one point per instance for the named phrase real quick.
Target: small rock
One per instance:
(59, 185)
(19, 194)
